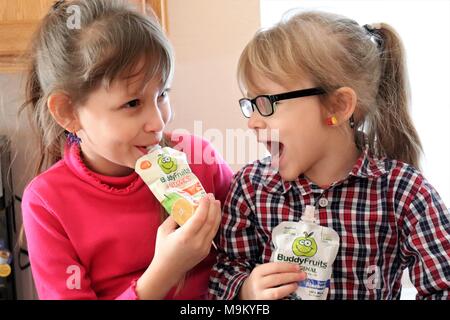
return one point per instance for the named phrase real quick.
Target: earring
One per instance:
(72, 137)
(331, 121)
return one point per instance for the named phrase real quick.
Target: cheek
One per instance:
(304, 125)
(107, 129)
(166, 114)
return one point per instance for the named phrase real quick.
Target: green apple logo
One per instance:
(169, 200)
(167, 163)
(305, 246)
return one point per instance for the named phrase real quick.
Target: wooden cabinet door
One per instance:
(19, 18)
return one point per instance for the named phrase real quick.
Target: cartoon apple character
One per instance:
(167, 163)
(305, 246)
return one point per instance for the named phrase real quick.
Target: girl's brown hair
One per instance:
(110, 41)
(334, 51)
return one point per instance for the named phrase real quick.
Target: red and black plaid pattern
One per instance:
(387, 215)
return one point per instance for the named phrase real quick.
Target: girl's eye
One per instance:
(164, 94)
(133, 103)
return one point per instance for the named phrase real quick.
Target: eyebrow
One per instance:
(140, 89)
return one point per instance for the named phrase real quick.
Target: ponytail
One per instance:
(50, 137)
(392, 133)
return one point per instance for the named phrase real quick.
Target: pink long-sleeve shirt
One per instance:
(91, 236)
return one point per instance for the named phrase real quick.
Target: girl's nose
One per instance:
(256, 121)
(153, 118)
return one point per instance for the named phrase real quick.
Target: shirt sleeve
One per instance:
(238, 245)
(56, 268)
(426, 244)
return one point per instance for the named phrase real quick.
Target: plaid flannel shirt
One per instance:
(387, 215)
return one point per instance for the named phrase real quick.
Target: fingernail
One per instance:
(211, 196)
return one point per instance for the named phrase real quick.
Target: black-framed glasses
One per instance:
(265, 104)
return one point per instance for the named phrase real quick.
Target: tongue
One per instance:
(143, 150)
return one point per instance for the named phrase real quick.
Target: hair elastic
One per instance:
(72, 137)
(375, 36)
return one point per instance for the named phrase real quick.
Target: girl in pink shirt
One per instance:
(94, 230)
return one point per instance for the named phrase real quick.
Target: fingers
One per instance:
(205, 222)
(196, 222)
(217, 214)
(169, 225)
(211, 224)
(280, 292)
(271, 281)
(278, 279)
(276, 267)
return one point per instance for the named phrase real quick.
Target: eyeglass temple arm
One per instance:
(297, 94)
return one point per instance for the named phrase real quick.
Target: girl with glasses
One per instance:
(329, 98)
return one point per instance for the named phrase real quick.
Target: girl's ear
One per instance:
(61, 108)
(343, 104)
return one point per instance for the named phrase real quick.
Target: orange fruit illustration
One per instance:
(193, 189)
(182, 210)
(145, 165)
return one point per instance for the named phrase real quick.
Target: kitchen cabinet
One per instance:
(19, 19)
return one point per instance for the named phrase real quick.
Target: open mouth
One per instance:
(276, 149)
(142, 149)
(146, 149)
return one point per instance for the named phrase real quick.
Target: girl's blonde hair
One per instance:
(334, 51)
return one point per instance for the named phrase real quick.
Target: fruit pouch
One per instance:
(167, 173)
(311, 246)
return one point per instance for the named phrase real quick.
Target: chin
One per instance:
(131, 163)
(288, 175)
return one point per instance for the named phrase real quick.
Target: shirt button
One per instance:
(323, 202)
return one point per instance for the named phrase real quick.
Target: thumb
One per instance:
(168, 226)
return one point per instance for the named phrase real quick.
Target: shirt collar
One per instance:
(366, 167)
(115, 185)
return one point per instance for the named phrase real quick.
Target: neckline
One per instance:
(115, 185)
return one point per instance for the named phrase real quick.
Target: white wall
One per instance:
(208, 37)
